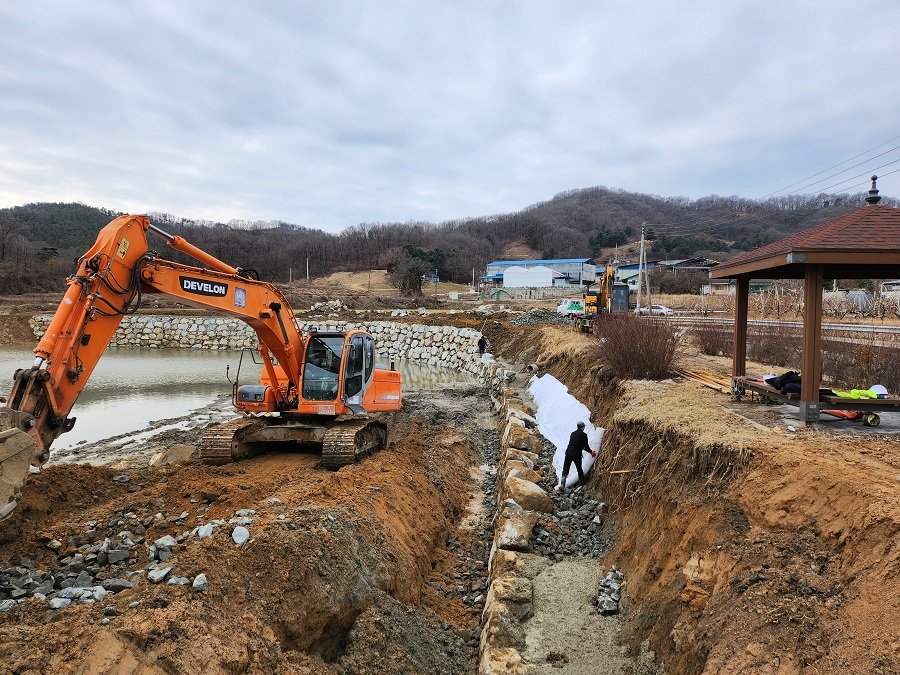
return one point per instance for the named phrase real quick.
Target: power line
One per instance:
(822, 180)
(802, 180)
(866, 183)
(858, 176)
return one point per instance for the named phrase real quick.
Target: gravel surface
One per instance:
(566, 635)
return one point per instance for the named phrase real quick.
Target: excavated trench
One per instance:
(744, 548)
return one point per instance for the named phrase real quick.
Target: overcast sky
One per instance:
(328, 114)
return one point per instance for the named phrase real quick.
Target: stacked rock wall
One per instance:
(519, 502)
(440, 346)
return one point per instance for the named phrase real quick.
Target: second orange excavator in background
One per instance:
(315, 388)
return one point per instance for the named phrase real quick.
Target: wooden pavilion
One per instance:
(862, 244)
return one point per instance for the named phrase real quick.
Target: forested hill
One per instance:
(38, 242)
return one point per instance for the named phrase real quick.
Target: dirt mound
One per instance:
(334, 570)
(15, 331)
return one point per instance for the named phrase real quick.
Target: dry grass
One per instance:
(378, 282)
(563, 343)
(635, 348)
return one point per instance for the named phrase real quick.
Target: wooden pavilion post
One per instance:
(741, 298)
(812, 345)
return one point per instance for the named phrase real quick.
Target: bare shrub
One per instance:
(775, 344)
(873, 364)
(711, 339)
(635, 348)
(838, 364)
(884, 369)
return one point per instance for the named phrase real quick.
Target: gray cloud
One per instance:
(328, 116)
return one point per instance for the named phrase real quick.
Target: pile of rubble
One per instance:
(112, 557)
(489, 309)
(535, 317)
(576, 528)
(609, 593)
(421, 311)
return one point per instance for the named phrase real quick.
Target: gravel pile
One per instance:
(534, 317)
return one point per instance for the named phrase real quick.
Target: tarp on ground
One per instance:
(558, 414)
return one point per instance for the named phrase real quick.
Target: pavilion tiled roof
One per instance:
(869, 228)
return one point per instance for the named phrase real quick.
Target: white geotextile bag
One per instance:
(558, 414)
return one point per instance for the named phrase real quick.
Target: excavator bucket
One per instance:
(16, 448)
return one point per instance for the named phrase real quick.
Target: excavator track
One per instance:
(347, 441)
(217, 445)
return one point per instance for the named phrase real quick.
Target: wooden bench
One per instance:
(875, 402)
(765, 389)
(870, 407)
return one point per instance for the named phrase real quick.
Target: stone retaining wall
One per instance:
(519, 502)
(440, 346)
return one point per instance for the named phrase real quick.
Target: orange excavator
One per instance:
(315, 388)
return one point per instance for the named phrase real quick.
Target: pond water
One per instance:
(131, 387)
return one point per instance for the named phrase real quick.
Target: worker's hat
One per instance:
(580, 425)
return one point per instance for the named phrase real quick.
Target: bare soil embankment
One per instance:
(337, 576)
(744, 550)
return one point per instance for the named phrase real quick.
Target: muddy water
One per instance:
(132, 387)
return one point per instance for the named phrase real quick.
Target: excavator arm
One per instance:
(107, 285)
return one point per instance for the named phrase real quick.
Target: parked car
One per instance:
(656, 310)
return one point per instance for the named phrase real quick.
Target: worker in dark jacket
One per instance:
(578, 443)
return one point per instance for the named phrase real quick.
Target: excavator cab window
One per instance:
(323, 366)
(354, 381)
(369, 356)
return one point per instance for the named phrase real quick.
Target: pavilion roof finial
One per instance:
(873, 197)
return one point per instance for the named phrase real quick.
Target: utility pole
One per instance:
(290, 275)
(307, 270)
(640, 270)
(370, 282)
